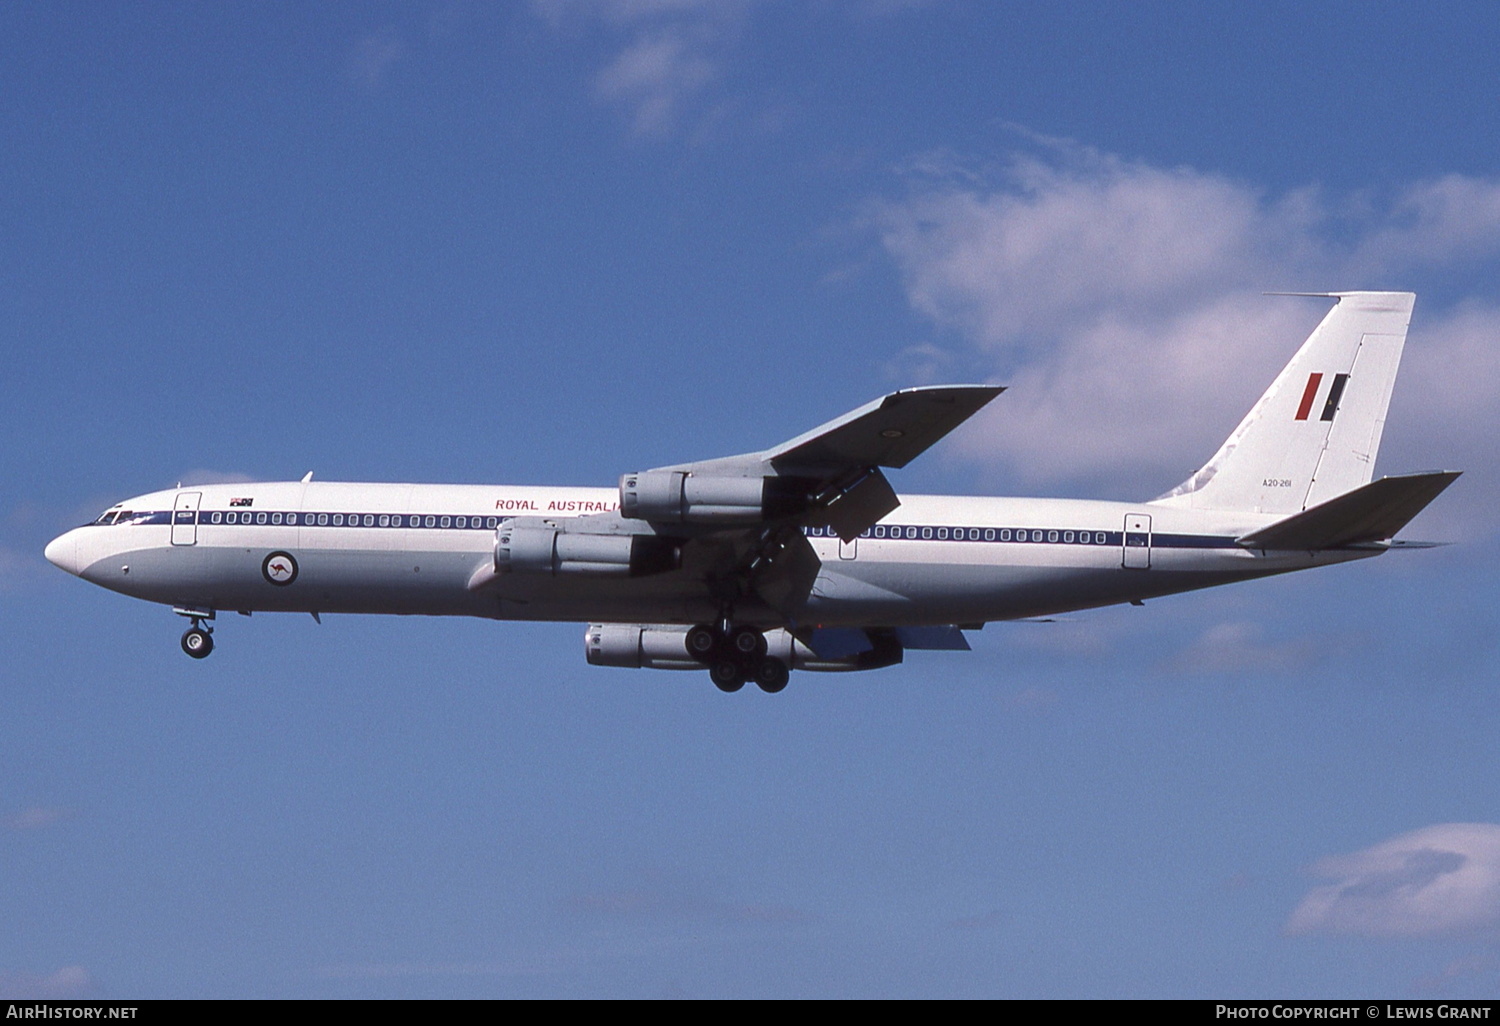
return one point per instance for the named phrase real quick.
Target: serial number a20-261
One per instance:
(1276, 482)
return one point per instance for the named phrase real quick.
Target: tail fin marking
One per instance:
(1289, 453)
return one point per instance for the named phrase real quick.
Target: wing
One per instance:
(732, 528)
(739, 519)
(889, 432)
(829, 476)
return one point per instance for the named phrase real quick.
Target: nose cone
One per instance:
(62, 552)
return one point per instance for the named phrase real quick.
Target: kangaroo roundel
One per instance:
(279, 568)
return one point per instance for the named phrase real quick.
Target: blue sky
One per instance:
(551, 243)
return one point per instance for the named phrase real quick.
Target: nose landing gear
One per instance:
(197, 640)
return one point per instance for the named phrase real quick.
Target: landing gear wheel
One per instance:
(701, 642)
(727, 675)
(747, 642)
(197, 642)
(772, 675)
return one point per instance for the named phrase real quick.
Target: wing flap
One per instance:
(860, 507)
(1370, 513)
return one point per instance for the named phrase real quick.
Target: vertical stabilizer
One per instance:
(1315, 433)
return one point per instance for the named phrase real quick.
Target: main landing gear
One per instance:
(735, 656)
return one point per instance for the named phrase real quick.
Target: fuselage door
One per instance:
(185, 518)
(848, 549)
(1136, 552)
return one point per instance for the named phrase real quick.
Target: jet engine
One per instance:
(664, 647)
(680, 497)
(548, 548)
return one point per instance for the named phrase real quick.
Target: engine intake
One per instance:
(679, 497)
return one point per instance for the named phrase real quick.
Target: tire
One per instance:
(727, 675)
(772, 675)
(197, 642)
(701, 642)
(748, 642)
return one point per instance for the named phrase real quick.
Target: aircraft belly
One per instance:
(914, 594)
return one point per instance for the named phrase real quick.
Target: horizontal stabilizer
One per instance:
(1370, 513)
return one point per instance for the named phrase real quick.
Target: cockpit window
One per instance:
(107, 517)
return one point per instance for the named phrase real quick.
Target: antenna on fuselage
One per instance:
(307, 477)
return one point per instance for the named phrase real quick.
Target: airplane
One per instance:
(801, 556)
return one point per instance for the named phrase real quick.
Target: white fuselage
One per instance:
(430, 549)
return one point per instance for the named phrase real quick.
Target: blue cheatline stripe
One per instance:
(881, 532)
(1028, 536)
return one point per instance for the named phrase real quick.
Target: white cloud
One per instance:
(654, 77)
(1240, 646)
(1122, 303)
(36, 818)
(68, 982)
(1442, 879)
(922, 364)
(373, 56)
(671, 52)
